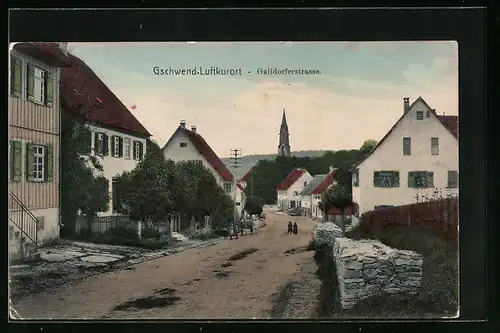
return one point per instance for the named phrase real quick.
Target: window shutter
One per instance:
(30, 161)
(376, 178)
(16, 160)
(141, 151)
(411, 179)
(88, 142)
(96, 138)
(120, 143)
(49, 89)
(395, 179)
(132, 142)
(430, 179)
(105, 148)
(49, 163)
(16, 75)
(30, 86)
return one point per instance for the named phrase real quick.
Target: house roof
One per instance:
(205, 150)
(327, 181)
(246, 176)
(49, 53)
(450, 122)
(240, 187)
(83, 91)
(308, 190)
(290, 179)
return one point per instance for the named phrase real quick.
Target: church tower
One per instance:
(284, 144)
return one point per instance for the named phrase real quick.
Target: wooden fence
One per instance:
(439, 216)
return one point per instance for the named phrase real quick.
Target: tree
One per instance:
(368, 146)
(336, 196)
(253, 205)
(81, 188)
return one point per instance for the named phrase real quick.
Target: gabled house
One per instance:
(118, 139)
(245, 178)
(288, 191)
(34, 131)
(311, 195)
(188, 145)
(416, 160)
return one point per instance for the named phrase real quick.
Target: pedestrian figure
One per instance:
(295, 228)
(251, 227)
(290, 228)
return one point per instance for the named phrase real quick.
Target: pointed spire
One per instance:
(283, 119)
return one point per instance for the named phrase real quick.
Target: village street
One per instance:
(193, 284)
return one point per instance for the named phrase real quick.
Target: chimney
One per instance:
(406, 104)
(331, 169)
(63, 46)
(193, 128)
(183, 123)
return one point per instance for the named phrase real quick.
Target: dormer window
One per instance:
(420, 115)
(305, 183)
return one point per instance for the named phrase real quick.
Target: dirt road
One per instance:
(233, 279)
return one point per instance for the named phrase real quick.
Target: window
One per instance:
(38, 163)
(36, 84)
(406, 146)
(386, 179)
(453, 179)
(99, 143)
(305, 183)
(116, 146)
(127, 148)
(420, 179)
(228, 187)
(183, 144)
(196, 162)
(16, 74)
(295, 193)
(434, 146)
(137, 150)
(420, 115)
(355, 178)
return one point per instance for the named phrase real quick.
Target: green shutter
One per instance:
(120, 140)
(16, 152)
(105, 146)
(133, 149)
(30, 87)
(16, 76)
(430, 179)
(88, 141)
(30, 161)
(141, 151)
(376, 178)
(395, 179)
(49, 89)
(411, 179)
(49, 163)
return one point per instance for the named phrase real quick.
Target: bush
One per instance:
(439, 293)
(123, 232)
(204, 234)
(150, 233)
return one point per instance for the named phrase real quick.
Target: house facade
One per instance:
(188, 145)
(288, 191)
(117, 138)
(416, 160)
(34, 126)
(312, 194)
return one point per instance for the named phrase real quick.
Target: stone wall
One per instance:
(369, 268)
(325, 234)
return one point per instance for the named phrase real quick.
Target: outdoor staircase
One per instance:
(23, 230)
(179, 237)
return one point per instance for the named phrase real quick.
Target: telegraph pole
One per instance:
(235, 163)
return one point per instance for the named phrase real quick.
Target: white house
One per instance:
(416, 160)
(310, 196)
(288, 191)
(245, 178)
(118, 139)
(188, 145)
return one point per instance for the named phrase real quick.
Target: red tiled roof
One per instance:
(240, 187)
(49, 53)
(204, 149)
(291, 179)
(450, 122)
(246, 176)
(83, 90)
(325, 183)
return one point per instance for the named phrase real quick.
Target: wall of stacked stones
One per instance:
(368, 267)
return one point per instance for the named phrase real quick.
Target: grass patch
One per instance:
(227, 264)
(243, 254)
(221, 275)
(439, 292)
(280, 301)
(163, 299)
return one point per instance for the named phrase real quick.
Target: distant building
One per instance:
(284, 143)
(188, 145)
(311, 195)
(416, 160)
(288, 191)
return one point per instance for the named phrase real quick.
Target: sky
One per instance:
(357, 95)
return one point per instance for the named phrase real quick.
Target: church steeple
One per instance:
(284, 144)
